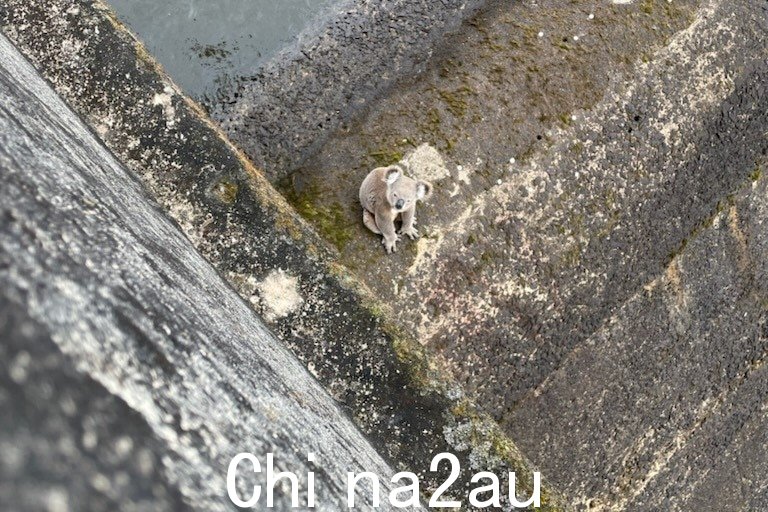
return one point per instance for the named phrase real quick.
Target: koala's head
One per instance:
(402, 191)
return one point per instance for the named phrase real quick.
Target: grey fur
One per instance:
(379, 195)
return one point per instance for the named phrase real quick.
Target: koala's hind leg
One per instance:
(370, 222)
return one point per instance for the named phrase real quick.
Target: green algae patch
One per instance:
(225, 191)
(385, 156)
(457, 101)
(329, 218)
(423, 370)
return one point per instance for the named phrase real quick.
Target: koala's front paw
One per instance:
(390, 244)
(411, 232)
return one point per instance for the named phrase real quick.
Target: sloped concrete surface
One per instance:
(131, 373)
(664, 408)
(282, 113)
(409, 408)
(591, 266)
(55, 418)
(536, 239)
(510, 277)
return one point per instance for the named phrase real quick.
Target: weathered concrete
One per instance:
(518, 270)
(564, 241)
(282, 114)
(496, 91)
(576, 157)
(664, 408)
(532, 245)
(132, 373)
(55, 418)
(402, 400)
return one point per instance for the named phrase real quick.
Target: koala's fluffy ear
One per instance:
(393, 174)
(423, 190)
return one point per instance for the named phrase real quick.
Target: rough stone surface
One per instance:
(282, 113)
(131, 373)
(665, 405)
(508, 278)
(55, 418)
(409, 408)
(495, 96)
(593, 263)
(579, 169)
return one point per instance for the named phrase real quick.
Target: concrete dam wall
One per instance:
(587, 297)
(131, 373)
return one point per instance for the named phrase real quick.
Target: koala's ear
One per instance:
(393, 174)
(423, 190)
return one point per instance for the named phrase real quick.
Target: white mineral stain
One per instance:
(426, 163)
(463, 175)
(165, 100)
(279, 294)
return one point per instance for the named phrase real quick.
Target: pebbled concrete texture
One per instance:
(401, 399)
(54, 419)
(591, 266)
(282, 113)
(578, 169)
(536, 252)
(665, 405)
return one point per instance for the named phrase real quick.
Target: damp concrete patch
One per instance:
(210, 46)
(281, 113)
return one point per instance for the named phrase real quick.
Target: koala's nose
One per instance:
(399, 204)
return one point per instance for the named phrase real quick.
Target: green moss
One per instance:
(457, 100)
(328, 218)
(676, 252)
(385, 156)
(485, 436)
(431, 128)
(226, 191)
(756, 174)
(572, 256)
(526, 155)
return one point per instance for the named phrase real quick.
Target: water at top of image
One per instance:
(207, 44)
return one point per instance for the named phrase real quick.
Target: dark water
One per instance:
(204, 44)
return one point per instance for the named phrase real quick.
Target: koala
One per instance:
(386, 194)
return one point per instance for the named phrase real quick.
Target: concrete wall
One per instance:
(130, 373)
